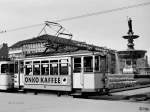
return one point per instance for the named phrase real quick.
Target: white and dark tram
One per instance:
(81, 71)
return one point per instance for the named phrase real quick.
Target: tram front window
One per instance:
(4, 68)
(88, 64)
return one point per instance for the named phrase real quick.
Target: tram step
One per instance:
(76, 94)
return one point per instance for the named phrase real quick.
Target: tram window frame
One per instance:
(103, 64)
(11, 68)
(97, 63)
(63, 70)
(134, 63)
(16, 67)
(45, 70)
(88, 63)
(36, 68)
(21, 68)
(54, 67)
(77, 64)
(28, 68)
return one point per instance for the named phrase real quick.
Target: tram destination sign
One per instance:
(48, 80)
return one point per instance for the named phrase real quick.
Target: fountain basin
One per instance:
(131, 54)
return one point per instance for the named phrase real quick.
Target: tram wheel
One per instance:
(58, 94)
(24, 91)
(35, 93)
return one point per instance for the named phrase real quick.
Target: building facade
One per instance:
(3, 52)
(48, 43)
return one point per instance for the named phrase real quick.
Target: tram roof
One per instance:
(66, 54)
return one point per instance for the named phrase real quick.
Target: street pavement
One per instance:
(18, 102)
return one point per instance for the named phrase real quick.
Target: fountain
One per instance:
(130, 55)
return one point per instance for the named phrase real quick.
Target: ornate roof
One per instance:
(55, 42)
(44, 38)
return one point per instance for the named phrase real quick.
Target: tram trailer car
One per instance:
(81, 72)
(6, 75)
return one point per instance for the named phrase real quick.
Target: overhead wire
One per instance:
(103, 12)
(24, 27)
(82, 16)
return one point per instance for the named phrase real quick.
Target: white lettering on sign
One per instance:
(46, 80)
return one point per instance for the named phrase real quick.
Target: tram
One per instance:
(6, 75)
(81, 71)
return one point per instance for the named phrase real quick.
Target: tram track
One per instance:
(129, 88)
(137, 95)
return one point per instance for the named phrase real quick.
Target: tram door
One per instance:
(78, 73)
(19, 74)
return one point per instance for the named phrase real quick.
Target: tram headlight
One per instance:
(64, 81)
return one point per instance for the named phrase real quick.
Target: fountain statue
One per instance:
(130, 55)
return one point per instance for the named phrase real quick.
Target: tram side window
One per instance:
(63, 66)
(36, 68)
(45, 67)
(4, 68)
(88, 64)
(77, 64)
(28, 69)
(54, 67)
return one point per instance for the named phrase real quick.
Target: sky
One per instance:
(102, 30)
